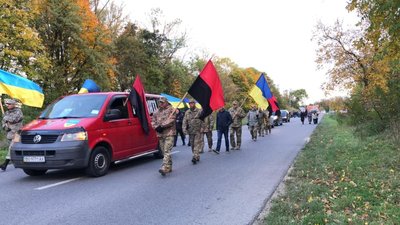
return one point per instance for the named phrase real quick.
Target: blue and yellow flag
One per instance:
(89, 86)
(28, 92)
(257, 92)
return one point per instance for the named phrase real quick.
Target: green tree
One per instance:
(21, 50)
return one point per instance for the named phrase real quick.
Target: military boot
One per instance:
(4, 165)
(162, 172)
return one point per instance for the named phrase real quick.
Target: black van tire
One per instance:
(159, 154)
(99, 162)
(33, 172)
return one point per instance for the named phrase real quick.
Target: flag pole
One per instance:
(177, 106)
(1, 104)
(234, 115)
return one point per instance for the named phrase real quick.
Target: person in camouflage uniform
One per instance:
(192, 126)
(12, 124)
(163, 121)
(267, 122)
(261, 122)
(252, 118)
(237, 114)
(207, 129)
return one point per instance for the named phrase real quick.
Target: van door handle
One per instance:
(129, 123)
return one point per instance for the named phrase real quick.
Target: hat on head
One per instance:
(162, 99)
(10, 101)
(192, 100)
(235, 102)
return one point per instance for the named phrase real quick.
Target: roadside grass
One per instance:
(3, 153)
(339, 178)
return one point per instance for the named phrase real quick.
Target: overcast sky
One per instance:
(270, 35)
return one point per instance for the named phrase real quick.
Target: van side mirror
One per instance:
(113, 114)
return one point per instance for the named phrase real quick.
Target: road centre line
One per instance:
(73, 179)
(56, 184)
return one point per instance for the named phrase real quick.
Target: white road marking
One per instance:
(58, 183)
(174, 152)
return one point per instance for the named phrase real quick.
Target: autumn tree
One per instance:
(21, 49)
(76, 44)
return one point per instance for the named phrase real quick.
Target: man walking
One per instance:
(237, 114)
(252, 118)
(12, 124)
(163, 122)
(224, 120)
(206, 130)
(261, 122)
(192, 126)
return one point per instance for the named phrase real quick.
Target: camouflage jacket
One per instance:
(12, 122)
(261, 117)
(191, 122)
(165, 117)
(252, 117)
(237, 115)
(208, 124)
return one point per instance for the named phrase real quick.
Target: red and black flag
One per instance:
(207, 90)
(138, 100)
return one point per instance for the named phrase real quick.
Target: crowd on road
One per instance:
(171, 124)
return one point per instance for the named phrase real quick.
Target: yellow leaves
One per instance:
(310, 199)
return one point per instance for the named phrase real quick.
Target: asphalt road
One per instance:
(229, 188)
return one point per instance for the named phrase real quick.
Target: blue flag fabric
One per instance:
(89, 86)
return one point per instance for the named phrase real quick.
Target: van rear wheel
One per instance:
(32, 172)
(99, 162)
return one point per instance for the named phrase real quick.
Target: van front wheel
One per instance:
(99, 162)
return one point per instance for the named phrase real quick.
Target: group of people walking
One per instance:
(312, 116)
(170, 124)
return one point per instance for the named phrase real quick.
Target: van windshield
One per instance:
(74, 106)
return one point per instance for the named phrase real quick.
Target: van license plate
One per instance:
(34, 159)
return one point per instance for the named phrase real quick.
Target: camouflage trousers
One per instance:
(267, 129)
(236, 131)
(209, 140)
(166, 144)
(9, 143)
(261, 128)
(197, 144)
(253, 131)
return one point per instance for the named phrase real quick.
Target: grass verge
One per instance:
(339, 178)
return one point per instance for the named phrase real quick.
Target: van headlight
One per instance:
(78, 136)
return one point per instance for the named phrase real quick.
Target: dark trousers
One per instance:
(180, 133)
(220, 133)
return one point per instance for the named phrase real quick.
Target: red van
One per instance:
(84, 131)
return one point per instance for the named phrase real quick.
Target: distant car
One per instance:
(285, 116)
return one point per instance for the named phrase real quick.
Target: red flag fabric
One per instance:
(207, 90)
(137, 98)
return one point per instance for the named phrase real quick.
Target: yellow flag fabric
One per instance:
(15, 86)
(256, 94)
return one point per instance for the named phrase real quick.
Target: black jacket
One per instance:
(179, 120)
(224, 119)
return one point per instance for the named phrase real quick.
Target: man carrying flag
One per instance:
(207, 90)
(163, 122)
